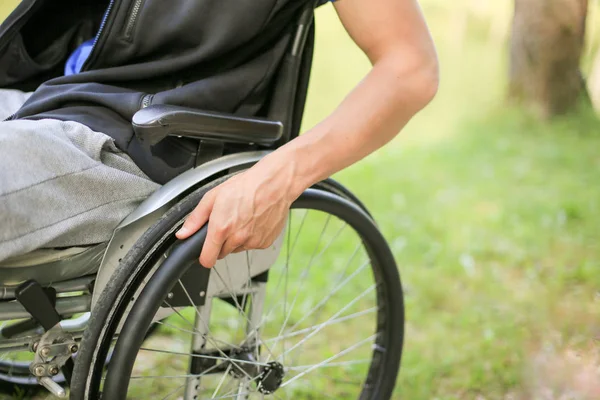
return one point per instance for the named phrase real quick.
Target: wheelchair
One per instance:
(319, 314)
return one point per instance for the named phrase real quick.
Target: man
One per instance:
(50, 187)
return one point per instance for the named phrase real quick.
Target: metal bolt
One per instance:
(202, 293)
(34, 346)
(74, 348)
(53, 387)
(45, 351)
(39, 370)
(53, 370)
(170, 295)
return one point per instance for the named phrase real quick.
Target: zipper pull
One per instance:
(147, 100)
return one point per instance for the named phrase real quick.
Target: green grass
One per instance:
(493, 217)
(497, 235)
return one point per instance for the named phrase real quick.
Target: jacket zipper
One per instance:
(10, 118)
(135, 12)
(87, 63)
(147, 100)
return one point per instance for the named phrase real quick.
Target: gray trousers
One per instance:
(61, 184)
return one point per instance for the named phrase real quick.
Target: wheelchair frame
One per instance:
(87, 274)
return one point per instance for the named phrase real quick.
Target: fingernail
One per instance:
(182, 231)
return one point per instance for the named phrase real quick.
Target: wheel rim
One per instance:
(323, 323)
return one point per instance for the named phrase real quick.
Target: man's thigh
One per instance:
(62, 184)
(11, 101)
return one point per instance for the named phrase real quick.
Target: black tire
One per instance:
(136, 273)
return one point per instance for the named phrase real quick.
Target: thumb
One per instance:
(198, 217)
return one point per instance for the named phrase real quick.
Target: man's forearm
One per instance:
(250, 210)
(374, 112)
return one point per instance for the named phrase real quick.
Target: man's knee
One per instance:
(34, 151)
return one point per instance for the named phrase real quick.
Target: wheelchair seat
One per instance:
(48, 266)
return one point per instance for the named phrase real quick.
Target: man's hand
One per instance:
(246, 212)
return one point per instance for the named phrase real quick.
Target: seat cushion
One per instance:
(51, 265)
(41, 256)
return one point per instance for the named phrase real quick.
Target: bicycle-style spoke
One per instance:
(173, 392)
(304, 276)
(331, 322)
(230, 396)
(284, 276)
(203, 356)
(221, 381)
(177, 328)
(208, 371)
(339, 279)
(213, 339)
(286, 271)
(230, 387)
(324, 324)
(234, 297)
(299, 230)
(209, 335)
(335, 357)
(331, 294)
(333, 364)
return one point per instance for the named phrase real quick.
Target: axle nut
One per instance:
(39, 370)
(45, 351)
(54, 370)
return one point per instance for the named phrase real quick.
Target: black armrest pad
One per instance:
(154, 123)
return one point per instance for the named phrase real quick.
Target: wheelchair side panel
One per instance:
(132, 227)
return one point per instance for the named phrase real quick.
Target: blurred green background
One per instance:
(493, 216)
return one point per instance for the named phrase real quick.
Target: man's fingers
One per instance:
(198, 217)
(240, 249)
(234, 242)
(212, 246)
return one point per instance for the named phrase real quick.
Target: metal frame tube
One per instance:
(64, 306)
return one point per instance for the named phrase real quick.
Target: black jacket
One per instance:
(219, 55)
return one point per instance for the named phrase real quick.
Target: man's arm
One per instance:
(249, 210)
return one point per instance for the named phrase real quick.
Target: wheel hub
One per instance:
(246, 368)
(270, 377)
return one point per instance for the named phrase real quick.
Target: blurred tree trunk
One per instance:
(594, 82)
(546, 44)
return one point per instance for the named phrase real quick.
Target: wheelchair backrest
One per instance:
(290, 87)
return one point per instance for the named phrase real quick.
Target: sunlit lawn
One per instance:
(494, 220)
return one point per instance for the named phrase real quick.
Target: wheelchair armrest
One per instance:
(154, 123)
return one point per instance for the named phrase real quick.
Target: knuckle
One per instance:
(221, 231)
(241, 238)
(254, 243)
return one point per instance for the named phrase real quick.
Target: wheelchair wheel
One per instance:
(325, 321)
